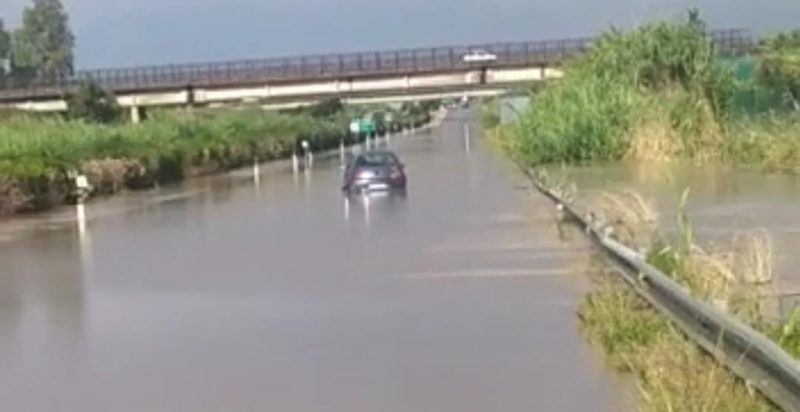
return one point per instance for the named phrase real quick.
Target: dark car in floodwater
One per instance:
(375, 170)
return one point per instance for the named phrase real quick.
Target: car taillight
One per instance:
(396, 172)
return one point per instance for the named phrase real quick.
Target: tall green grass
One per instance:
(34, 147)
(591, 113)
(659, 91)
(38, 154)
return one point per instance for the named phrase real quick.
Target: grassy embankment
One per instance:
(672, 373)
(660, 92)
(37, 154)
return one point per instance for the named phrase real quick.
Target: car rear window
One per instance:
(376, 159)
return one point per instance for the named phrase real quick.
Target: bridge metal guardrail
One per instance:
(335, 66)
(746, 352)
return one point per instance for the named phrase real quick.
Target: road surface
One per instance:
(224, 295)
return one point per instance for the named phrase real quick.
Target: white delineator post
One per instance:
(308, 157)
(256, 172)
(82, 189)
(295, 163)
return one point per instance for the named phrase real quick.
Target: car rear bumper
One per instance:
(376, 184)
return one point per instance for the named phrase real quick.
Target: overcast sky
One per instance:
(140, 32)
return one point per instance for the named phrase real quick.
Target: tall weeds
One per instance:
(672, 373)
(661, 92)
(662, 79)
(37, 154)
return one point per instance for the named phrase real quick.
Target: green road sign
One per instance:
(366, 126)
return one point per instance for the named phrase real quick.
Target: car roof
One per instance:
(381, 156)
(378, 152)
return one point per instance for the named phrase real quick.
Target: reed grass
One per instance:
(657, 92)
(672, 373)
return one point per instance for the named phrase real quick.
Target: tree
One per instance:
(92, 103)
(326, 108)
(43, 46)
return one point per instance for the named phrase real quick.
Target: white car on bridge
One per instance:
(479, 56)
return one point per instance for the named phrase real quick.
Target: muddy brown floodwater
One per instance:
(223, 295)
(722, 203)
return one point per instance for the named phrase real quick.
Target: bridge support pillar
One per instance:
(136, 114)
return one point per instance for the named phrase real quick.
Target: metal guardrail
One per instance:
(335, 66)
(749, 354)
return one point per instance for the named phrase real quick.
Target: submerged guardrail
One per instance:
(746, 352)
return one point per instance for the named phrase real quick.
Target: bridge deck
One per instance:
(314, 68)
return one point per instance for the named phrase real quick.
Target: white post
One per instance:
(82, 190)
(295, 163)
(307, 157)
(256, 172)
(80, 210)
(341, 151)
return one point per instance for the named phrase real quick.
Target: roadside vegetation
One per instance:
(39, 154)
(662, 92)
(672, 373)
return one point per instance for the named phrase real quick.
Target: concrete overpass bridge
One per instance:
(372, 76)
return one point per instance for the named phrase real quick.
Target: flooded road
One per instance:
(723, 202)
(227, 296)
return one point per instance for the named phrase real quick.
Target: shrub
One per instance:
(93, 104)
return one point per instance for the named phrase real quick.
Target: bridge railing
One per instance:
(333, 66)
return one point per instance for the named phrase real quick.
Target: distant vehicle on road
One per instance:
(375, 170)
(479, 56)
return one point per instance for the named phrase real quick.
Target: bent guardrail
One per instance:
(746, 352)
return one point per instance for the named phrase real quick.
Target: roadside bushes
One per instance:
(780, 64)
(660, 92)
(37, 154)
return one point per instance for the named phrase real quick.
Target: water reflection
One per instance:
(257, 178)
(42, 294)
(467, 138)
(723, 201)
(84, 240)
(369, 206)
